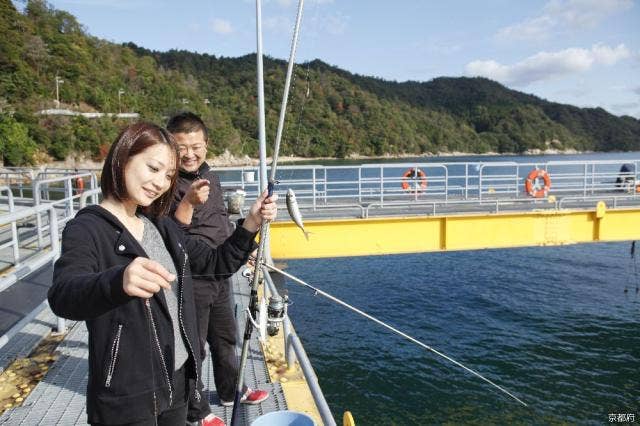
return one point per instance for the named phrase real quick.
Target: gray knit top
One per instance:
(153, 245)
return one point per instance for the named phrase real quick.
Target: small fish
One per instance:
(294, 212)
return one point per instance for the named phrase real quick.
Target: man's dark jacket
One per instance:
(210, 222)
(131, 343)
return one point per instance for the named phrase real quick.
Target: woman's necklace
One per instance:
(133, 224)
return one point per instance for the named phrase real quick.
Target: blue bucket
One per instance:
(284, 418)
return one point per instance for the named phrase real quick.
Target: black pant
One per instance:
(174, 415)
(217, 327)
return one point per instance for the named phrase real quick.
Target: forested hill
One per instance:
(332, 112)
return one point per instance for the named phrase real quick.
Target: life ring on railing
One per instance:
(533, 186)
(418, 176)
(79, 185)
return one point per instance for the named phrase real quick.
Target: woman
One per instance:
(126, 270)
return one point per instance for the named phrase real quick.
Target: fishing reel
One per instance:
(275, 313)
(248, 274)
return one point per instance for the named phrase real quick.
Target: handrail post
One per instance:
(55, 249)
(325, 185)
(36, 202)
(446, 183)
(360, 184)
(289, 352)
(14, 233)
(68, 190)
(313, 190)
(14, 227)
(466, 181)
(94, 185)
(480, 182)
(381, 186)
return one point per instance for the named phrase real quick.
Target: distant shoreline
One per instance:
(229, 160)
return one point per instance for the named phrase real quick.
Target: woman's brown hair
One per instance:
(134, 139)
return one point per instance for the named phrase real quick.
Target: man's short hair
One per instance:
(187, 122)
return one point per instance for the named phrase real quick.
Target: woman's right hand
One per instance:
(145, 277)
(264, 208)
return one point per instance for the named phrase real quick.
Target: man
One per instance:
(199, 207)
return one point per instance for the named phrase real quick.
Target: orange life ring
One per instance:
(79, 185)
(414, 174)
(532, 183)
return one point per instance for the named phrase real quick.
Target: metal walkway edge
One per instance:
(59, 399)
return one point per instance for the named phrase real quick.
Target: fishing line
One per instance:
(406, 336)
(307, 94)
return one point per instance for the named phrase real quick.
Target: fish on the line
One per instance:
(294, 212)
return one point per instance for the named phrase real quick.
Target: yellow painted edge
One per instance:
(294, 386)
(418, 234)
(299, 398)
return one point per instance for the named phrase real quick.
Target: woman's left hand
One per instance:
(262, 209)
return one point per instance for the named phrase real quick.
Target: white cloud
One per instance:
(533, 29)
(637, 91)
(336, 24)
(278, 24)
(547, 65)
(560, 15)
(220, 26)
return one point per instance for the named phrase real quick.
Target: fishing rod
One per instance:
(395, 330)
(264, 227)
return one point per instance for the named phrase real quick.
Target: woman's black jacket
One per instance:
(131, 339)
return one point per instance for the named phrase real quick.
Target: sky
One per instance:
(580, 52)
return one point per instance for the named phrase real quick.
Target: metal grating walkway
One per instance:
(59, 399)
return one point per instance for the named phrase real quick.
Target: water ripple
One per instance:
(562, 336)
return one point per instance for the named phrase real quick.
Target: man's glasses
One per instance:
(183, 149)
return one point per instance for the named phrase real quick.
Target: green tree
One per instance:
(16, 145)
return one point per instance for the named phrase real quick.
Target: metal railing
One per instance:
(295, 350)
(93, 193)
(19, 180)
(33, 264)
(44, 256)
(612, 201)
(394, 184)
(14, 243)
(62, 192)
(293, 346)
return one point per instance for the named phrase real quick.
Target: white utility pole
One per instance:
(120, 93)
(58, 82)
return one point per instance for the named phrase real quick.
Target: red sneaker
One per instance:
(254, 396)
(212, 420)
